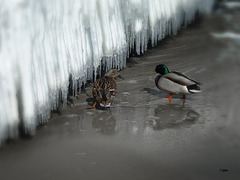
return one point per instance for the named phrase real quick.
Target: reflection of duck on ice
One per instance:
(172, 116)
(104, 122)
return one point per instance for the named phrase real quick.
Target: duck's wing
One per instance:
(170, 86)
(180, 78)
(111, 89)
(104, 90)
(109, 92)
(98, 90)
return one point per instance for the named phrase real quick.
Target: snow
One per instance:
(230, 35)
(232, 4)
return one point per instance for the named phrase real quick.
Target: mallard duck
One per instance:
(175, 82)
(105, 89)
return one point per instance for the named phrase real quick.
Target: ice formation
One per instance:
(44, 42)
(232, 4)
(229, 35)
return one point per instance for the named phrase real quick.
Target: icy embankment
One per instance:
(42, 42)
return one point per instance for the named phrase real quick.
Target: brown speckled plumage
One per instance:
(105, 89)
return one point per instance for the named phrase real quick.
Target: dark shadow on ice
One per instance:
(91, 101)
(172, 116)
(104, 122)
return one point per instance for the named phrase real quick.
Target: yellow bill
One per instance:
(154, 72)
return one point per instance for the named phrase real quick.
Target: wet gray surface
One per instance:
(144, 136)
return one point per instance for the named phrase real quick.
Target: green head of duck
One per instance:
(161, 69)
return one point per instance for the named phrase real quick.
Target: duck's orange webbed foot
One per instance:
(170, 97)
(93, 106)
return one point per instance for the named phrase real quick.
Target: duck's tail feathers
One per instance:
(194, 88)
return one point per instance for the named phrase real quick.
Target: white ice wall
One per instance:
(42, 42)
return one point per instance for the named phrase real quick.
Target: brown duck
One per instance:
(105, 89)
